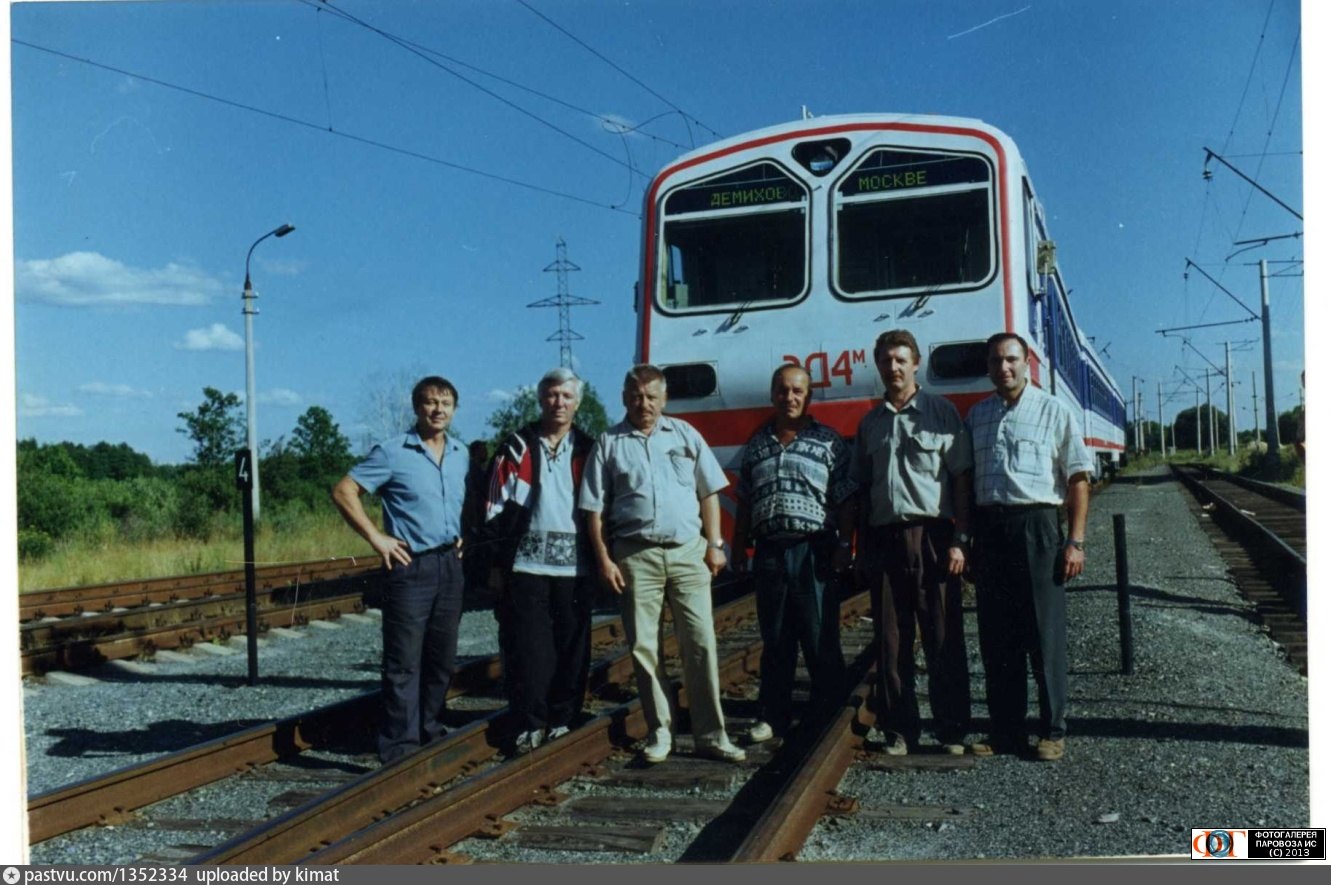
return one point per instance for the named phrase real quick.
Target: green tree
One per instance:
(305, 468)
(215, 427)
(1289, 424)
(318, 441)
(1185, 428)
(523, 409)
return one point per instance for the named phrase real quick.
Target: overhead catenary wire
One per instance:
(558, 27)
(296, 121)
(398, 41)
(1275, 114)
(606, 121)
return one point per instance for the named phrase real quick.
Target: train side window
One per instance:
(690, 380)
(969, 359)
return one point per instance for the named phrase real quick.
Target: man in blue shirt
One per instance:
(420, 477)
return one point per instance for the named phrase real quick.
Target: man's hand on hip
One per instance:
(391, 550)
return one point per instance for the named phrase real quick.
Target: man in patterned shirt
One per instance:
(794, 499)
(913, 464)
(1029, 459)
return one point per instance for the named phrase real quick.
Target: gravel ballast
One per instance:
(1211, 729)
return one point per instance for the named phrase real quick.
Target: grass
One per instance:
(1247, 462)
(294, 535)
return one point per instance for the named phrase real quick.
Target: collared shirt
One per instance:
(906, 459)
(422, 500)
(1025, 453)
(550, 545)
(793, 490)
(648, 485)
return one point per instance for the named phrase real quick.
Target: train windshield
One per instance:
(736, 239)
(910, 222)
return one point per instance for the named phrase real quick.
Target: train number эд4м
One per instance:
(823, 370)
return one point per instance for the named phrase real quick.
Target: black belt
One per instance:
(911, 523)
(1011, 509)
(447, 545)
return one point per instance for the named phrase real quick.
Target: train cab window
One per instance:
(950, 362)
(910, 222)
(739, 238)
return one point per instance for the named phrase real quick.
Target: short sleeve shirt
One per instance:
(906, 458)
(647, 486)
(1025, 453)
(793, 490)
(422, 500)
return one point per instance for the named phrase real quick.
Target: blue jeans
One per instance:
(422, 605)
(796, 610)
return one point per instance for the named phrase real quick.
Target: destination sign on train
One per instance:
(901, 170)
(757, 186)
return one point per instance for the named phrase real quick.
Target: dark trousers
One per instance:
(422, 605)
(1022, 614)
(909, 586)
(796, 610)
(549, 653)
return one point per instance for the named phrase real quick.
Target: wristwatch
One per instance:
(961, 539)
(717, 545)
(1079, 543)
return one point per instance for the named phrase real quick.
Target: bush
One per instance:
(34, 544)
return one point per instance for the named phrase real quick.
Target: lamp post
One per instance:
(247, 299)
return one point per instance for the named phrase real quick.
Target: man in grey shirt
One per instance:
(913, 464)
(650, 492)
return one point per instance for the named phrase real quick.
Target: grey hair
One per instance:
(558, 377)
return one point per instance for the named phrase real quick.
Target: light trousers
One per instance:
(678, 576)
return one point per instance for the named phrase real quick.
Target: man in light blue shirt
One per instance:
(420, 477)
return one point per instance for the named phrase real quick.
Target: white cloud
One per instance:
(499, 396)
(215, 337)
(32, 406)
(123, 391)
(278, 396)
(80, 279)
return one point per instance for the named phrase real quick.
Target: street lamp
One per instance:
(247, 299)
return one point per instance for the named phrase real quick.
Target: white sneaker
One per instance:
(527, 742)
(723, 750)
(557, 732)
(759, 732)
(658, 746)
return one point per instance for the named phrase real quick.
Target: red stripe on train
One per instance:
(733, 427)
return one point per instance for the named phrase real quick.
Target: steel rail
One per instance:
(781, 830)
(127, 594)
(1250, 526)
(1283, 494)
(360, 803)
(82, 642)
(110, 798)
(425, 832)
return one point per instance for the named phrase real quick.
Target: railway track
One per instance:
(292, 750)
(77, 627)
(1260, 531)
(463, 797)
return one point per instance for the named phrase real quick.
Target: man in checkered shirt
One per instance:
(1029, 459)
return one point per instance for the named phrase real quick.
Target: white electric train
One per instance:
(802, 242)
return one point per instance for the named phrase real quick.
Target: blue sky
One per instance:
(135, 203)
